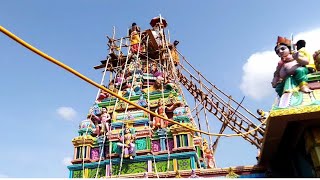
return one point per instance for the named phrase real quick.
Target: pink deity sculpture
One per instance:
(208, 154)
(119, 79)
(104, 120)
(95, 154)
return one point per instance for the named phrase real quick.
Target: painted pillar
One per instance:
(193, 164)
(174, 141)
(88, 152)
(191, 140)
(70, 173)
(86, 173)
(108, 170)
(75, 153)
(149, 166)
(162, 143)
(181, 140)
(101, 149)
(175, 165)
(162, 136)
(312, 143)
(148, 143)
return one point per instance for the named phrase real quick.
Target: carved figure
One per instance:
(290, 66)
(208, 154)
(104, 119)
(126, 143)
(161, 110)
(142, 101)
(120, 78)
(193, 174)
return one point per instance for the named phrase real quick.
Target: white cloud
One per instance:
(258, 70)
(258, 73)
(67, 113)
(312, 39)
(67, 161)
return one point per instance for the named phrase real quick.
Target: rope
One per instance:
(99, 90)
(83, 149)
(205, 115)
(215, 87)
(148, 97)
(102, 149)
(81, 76)
(103, 76)
(168, 163)
(198, 118)
(174, 71)
(163, 104)
(131, 88)
(122, 78)
(102, 80)
(104, 134)
(110, 143)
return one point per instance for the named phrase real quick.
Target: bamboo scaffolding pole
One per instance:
(216, 86)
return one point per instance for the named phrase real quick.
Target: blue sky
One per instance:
(230, 42)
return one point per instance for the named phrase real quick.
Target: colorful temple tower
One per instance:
(119, 139)
(144, 128)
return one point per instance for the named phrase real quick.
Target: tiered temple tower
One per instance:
(120, 140)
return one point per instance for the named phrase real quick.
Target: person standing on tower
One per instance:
(134, 34)
(301, 47)
(174, 53)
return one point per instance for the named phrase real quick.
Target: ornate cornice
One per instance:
(295, 110)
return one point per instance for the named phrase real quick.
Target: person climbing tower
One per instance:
(301, 48)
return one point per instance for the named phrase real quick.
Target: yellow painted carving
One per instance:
(295, 110)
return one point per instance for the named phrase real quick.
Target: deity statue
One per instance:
(145, 175)
(155, 71)
(142, 101)
(104, 119)
(208, 154)
(161, 110)
(291, 72)
(120, 78)
(102, 95)
(126, 143)
(129, 90)
(193, 174)
(177, 175)
(135, 67)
